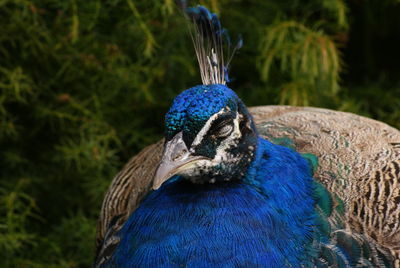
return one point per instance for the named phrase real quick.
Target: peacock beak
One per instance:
(176, 159)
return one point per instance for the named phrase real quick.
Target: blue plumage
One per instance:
(265, 219)
(193, 107)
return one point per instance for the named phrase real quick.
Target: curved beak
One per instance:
(176, 159)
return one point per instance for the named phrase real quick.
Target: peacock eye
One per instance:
(223, 131)
(222, 126)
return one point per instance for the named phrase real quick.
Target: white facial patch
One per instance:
(206, 128)
(222, 156)
(231, 140)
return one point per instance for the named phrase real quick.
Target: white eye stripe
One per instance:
(206, 127)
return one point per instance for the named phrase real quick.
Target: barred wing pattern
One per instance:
(358, 159)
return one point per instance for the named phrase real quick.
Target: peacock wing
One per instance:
(127, 188)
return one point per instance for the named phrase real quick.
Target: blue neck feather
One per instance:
(265, 219)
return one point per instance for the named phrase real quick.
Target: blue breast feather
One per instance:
(265, 220)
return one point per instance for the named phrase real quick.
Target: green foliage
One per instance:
(305, 54)
(84, 86)
(308, 57)
(17, 207)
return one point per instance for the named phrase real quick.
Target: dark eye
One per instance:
(223, 130)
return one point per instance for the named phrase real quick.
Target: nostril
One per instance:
(179, 155)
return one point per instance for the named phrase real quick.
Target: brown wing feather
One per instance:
(128, 188)
(358, 159)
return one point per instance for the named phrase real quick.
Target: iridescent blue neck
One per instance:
(264, 220)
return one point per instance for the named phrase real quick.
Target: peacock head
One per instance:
(209, 136)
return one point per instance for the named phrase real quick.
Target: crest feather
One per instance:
(212, 44)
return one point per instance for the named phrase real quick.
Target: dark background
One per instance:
(84, 85)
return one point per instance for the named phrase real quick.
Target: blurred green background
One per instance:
(84, 86)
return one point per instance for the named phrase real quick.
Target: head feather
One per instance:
(212, 44)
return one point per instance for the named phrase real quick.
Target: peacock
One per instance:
(270, 186)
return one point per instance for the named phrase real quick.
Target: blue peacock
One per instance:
(226, 188)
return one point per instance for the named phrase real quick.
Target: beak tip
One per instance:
(155, 187)
(160, 177)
